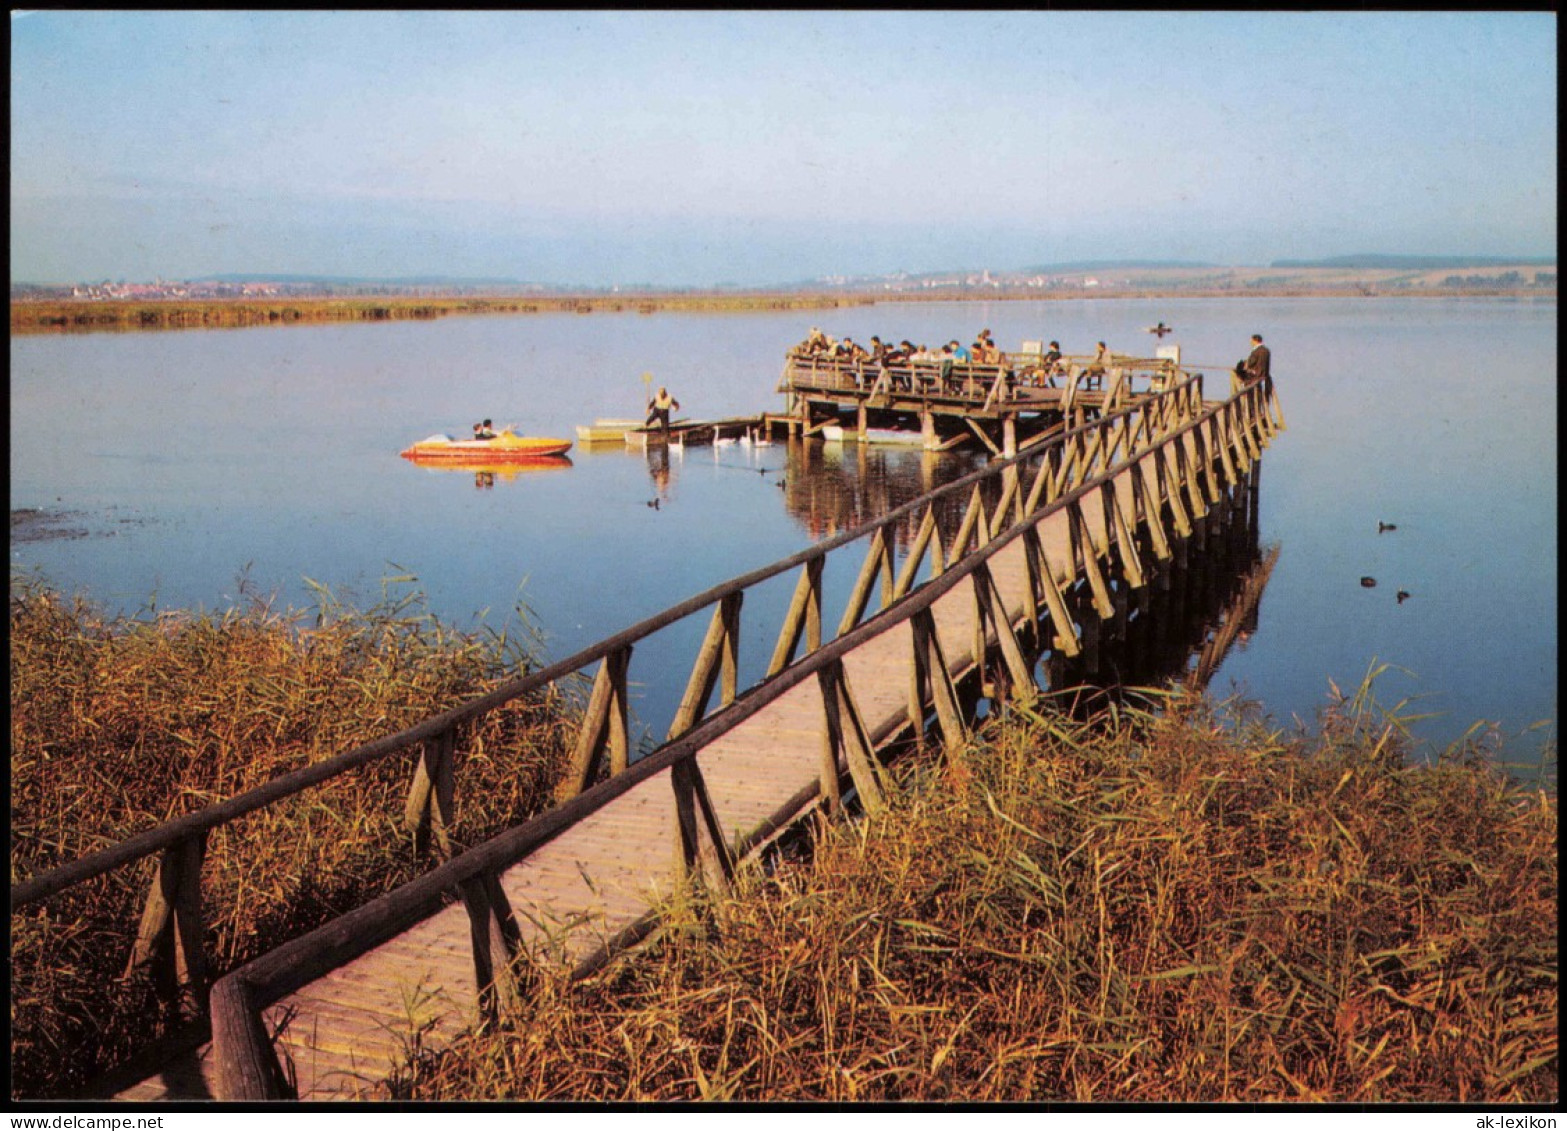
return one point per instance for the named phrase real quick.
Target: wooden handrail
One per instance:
(161, 837)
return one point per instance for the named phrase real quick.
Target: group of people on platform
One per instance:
(981, 351)
(1020, 369)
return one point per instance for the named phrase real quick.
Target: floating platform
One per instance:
(605, 430)
(698, 433)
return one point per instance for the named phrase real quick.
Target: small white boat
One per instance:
(892, 436)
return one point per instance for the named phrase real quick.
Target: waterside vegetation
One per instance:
(1149, 907)
(66, 315)
(1178, 903)
(118, 724)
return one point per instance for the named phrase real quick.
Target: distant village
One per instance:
(121, 291)
(1106, 279)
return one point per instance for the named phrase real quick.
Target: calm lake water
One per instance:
(174, 464)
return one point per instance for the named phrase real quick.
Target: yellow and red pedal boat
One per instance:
(505, 447)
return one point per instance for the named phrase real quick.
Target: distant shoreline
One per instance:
(88, 315)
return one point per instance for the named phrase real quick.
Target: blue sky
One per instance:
(689, 148)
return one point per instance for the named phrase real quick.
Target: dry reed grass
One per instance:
(1181, 907)
(175, 314)
(120, 723)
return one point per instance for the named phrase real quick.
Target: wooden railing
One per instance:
(972, 382)
(1191, 446)
(1069, 465)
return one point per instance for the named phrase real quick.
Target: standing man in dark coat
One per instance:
(1258, 361)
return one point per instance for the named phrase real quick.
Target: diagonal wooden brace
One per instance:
(1131, 564)
(720, 648)
(431, 805)
(1089, 557)
(604, 726)
(934, 676)
(1024, 686)
(694, 816)
(803, 618)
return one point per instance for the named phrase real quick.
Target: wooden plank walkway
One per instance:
(344, 1033)
(348, 1030)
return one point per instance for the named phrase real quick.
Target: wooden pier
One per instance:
(1093, 517)
(946, 403)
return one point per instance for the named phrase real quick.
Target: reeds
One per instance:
(1181, 906)
(120, 723)
(176, 314)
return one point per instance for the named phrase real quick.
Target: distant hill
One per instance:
(1412, 262)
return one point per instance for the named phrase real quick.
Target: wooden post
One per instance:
(1150, 508)
(431, 802)
(1207, 460)
(1253, 495)
(974, 517)
(1091, 635)
(1032, 555)
(1118, 624)
(247, 1066)
(496, 941)
(1042, 483)
(1237, 441)
(1194, 495)
(170, 941)
(1170, 485)
(1251, 431)
(1271, 405)
(998, 519)
(1225, 426)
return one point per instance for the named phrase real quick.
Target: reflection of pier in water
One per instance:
(1181, 627)
(830, 488)
(1178, 628)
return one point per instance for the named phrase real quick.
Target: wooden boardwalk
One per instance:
(583, 880)
(348, 1030)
